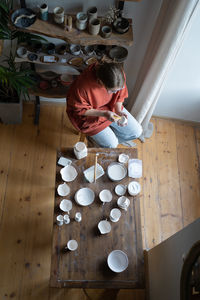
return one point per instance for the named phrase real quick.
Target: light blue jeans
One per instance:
(114, 134)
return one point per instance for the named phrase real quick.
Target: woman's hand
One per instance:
(111, 116)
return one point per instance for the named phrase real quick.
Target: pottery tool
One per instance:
(95, 167)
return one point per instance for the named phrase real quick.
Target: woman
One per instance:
(95, 105)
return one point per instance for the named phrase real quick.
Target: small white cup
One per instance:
(115, 215)
(72, 245)
(78, 217)
(123, 202)
(59, 220)
(66, 219)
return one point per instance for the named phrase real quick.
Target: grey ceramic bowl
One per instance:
(118, 54)
(75, 49)
(22, 52)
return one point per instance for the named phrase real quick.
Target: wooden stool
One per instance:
(83, 137)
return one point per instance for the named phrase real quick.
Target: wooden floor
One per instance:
(169, 200)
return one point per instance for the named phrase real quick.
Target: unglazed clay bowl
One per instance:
(68, 173)
(105, 196)
(116, 171)
(63, 189)
(117, 261)
(66, 205)
(84, 196)
(134, 188)
(120, 189)
(123, 158)
(104, 227)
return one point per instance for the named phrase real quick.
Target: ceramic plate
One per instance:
(84, 196)
(68, 173)
(117, 261)
(116, 171)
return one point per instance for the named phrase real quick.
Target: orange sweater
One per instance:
(86, 93)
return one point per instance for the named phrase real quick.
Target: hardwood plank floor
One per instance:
(169, 199)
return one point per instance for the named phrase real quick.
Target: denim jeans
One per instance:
(114, 134)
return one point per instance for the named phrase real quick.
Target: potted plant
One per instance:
(14, 79)
(14, 84)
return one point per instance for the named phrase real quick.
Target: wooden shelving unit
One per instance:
(59, 92)
(51, 29)
(84, 38)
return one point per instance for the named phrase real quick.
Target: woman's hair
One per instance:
(111, 75)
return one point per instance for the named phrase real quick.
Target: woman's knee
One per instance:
(138, 131)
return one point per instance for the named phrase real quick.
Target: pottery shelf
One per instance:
(75, 36)
(58, 92)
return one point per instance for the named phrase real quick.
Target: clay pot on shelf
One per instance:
(106, 31)
(94, 26)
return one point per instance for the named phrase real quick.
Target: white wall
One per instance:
(180, 97)
(165, 262)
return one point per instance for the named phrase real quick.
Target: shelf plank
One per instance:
(59, 92)
(51, 29)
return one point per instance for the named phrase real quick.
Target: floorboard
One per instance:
(169, 198)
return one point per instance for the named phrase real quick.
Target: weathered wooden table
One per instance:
(87, 266)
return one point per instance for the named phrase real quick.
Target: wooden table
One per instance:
(87, 266)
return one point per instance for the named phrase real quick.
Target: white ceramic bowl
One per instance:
(134, 188)
(63, 189)
(104, 227)
(66, 205)
(105, 196)
(116, 171)
(123, 158)
(68, 173)
(117, 261)
(84, 196)
(22, 52)
(120, 190)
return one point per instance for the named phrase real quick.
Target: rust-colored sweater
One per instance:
(86, 93)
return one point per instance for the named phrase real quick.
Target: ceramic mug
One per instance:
(66, 219)
(81, 21)
(44, 12)
(94, 26)
(78, 217)
(59, 220)
(115, 215)
(92, 13)
(123, 202)
(72, 245)
(59, 15)
(106, 31)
